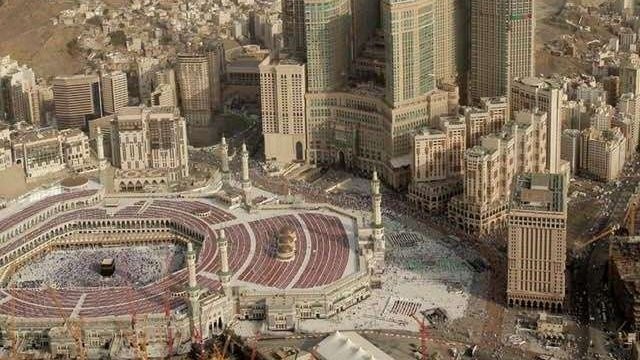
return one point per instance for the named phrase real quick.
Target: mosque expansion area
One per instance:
(173, 268)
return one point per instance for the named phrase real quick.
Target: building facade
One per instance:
(77, 100)
(149, 147)
(603, 153)
(115, 94)
(542, 94)
(537, 242)
(47, 151)
(502, 45)
(282, 89)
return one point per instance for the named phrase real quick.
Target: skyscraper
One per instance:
(449, 39)
(193, 81)
(282, 89)
(329, 43)
(115, 94)
(293, 27)
(502, 45)
(409, 45)
(77, 100)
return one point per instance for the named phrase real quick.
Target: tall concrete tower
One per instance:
(193, 292)
(223, 247)
(115, 94)
(293, 31)
(376, 225)
(191, 266)
(502, 45)
(328, 43)
(102, 163)
(409, 45)
(224, 160)
(246, 182)
(376, 199)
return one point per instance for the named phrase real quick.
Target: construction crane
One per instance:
(254, 349)
(74, 331)
(630, 215)
(610, 230)
(226, 344)
(167, 316)
(167, 312)
(423, 337)
(11, 327)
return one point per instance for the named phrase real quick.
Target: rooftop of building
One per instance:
(348, 346)
(624, 254)
(35, 135)
(540, 192)
(282, 58)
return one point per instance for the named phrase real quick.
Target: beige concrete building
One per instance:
(216, 60)
(502, 45)
(542, 94)
(149, 147)
(537, 242)
(168, 77)
(6, 153)
(570, 149)
(437, 164)
(24, 96)
(408, 28)
(115, 94)
(438, 153)
(602, 117)
(192, 72)
(43, 152)
(630, 128)
(630, 74)
(77, 100)
(629, 105)
(531, 130)
(449, 39)
(603, 153)
(489, 118)
(328, 43)
(358, 130)
(282, 89)
(163, 95)
(146, 71)
(489, 171)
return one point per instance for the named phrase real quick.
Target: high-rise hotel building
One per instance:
(409, 44)
(115, 94)
(77, 100)
(328, 44)
(537, 242)
(282, 88)
(502, 45)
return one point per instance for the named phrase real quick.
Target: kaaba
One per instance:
(107, 267)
